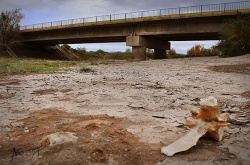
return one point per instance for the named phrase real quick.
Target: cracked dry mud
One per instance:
(124, 112)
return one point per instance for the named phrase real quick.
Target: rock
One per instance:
(58, 138)
(239, 121)
(233, 131)
(136, 105)
(225, 110)
(139, 86)
(170, 93)
(233, 105)
(242, 115)
(233, 110)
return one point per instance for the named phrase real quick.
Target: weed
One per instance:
(86, 70)
(94, 62)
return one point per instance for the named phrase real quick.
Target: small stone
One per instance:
(225, 110)
(1, 146)
(242, 118)
(224, 106)
(139, 86)
(27, 131)
(233, 110)
(136, 105)
(170, 93)
(242, 115)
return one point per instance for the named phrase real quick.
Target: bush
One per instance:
(235, 37)
(199, 50)
(172, 54)
(86, 70)
(127, 55)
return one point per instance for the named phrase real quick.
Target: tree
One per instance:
(171, 53)
(235, 37)
(128, 50)
(196, 50)
(213, 51)
(200, 50)
(66, 46)
(10, 27)
(100, 51)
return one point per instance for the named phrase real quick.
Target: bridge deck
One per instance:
(225, 9)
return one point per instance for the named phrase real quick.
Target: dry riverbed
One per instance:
(124, 112)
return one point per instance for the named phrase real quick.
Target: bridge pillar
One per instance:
(138, 53)
(139, 45)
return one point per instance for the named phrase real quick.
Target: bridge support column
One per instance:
(139, 45)
(138, 53)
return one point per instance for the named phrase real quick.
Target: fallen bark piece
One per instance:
(205, 120)
(58, 138)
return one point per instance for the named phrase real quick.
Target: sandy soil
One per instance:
(124, 112)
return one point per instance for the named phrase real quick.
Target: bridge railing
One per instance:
(201, 10)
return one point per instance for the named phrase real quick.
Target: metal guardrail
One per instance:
(201, 10)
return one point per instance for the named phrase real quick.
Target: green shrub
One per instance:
(235, 37)
(86, 70)
(94, 62)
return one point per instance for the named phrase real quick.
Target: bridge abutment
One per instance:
(140, 43)
(43, 51)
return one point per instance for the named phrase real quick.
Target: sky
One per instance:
(40, 11)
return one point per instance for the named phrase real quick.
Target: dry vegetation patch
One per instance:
(242, 68)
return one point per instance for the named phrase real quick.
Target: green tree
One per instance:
(213, 51)
(235, 37)
(171, 53)
(128, 50)
(66, 46)
(10, 27)
(82, 52)
(100, 52)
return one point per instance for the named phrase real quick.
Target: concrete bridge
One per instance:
(145, 29)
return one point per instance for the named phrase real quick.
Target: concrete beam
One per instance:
(147, 42)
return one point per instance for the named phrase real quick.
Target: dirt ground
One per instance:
(124, 112)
